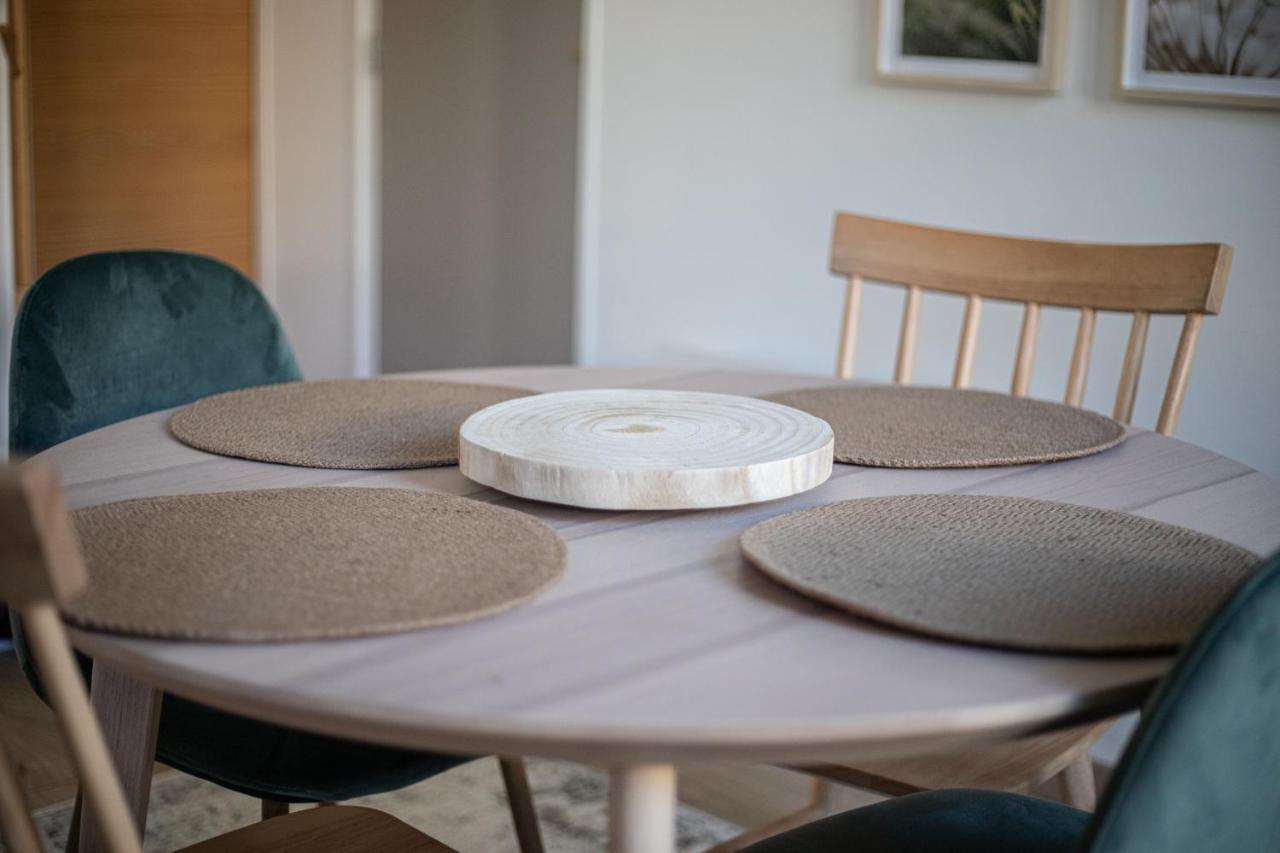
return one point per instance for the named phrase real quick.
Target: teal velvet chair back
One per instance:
(1203, 771)
(110, 336)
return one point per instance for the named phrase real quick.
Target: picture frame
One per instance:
(937, 43)
(1169, 50)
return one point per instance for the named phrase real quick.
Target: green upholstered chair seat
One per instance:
(111, 336)
(958, 821)
(1201, 774)
(278, 763)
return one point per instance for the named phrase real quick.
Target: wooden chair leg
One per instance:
(1076, 785)
(274, 808)
(520, 798)
(819, 806)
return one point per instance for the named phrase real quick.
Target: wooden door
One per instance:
(141, 128)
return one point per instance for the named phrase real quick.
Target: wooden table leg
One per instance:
(520, 799)
(129, 713)
(642, 809)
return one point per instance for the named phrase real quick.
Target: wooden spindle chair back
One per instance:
(1142, 280)
(40, 568)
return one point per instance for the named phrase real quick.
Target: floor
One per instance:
(747, 795)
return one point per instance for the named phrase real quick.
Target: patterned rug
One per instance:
(465, 808)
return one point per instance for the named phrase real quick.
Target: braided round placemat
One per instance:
(1003, 571)
(339, 423)
(306, 564)
(894, 426)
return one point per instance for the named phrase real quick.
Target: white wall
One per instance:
(478, 182)
(732, 129)
(317, 190)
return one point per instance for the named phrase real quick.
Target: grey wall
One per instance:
(478, 163)
(733, 129)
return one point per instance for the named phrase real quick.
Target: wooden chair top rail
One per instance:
(1160, 279)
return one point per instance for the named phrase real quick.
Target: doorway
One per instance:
(479, 156)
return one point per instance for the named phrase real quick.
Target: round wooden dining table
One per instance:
(661, 645)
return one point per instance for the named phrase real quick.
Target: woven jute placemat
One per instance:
(339, 423)
(910, 427)
(306, 564)
(1002, 571)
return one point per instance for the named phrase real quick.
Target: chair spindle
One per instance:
(1179, 373)
(1026, 350)
(1080, 358)
(968, 342)
(907, 340)
(1127, 390)
(849, 327)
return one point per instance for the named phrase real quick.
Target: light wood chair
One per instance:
(1186, 279)
(41, 566)
(1137, 279)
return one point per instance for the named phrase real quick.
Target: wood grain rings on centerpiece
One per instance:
(642, 449)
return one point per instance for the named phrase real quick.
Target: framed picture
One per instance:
(1210, 51)
(998, 44)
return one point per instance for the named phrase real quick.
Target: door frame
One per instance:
(363, 193)
(13, 264)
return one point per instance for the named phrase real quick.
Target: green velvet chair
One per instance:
(1202, 773)
(106, 337)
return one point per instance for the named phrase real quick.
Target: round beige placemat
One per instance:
(305, 564)
(339, 423)
(1002, 571)
(893, 426)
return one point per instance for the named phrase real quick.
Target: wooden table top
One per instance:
(662, 643)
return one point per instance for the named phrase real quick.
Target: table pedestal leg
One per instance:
(129, 713)
(642, 809)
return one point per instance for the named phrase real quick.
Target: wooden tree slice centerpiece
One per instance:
(634, 449)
